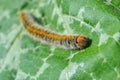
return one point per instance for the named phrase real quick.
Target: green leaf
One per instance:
(23, 58)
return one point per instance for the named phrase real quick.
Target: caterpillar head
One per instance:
(83, 42)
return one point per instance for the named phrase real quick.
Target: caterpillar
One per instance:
(36, 30)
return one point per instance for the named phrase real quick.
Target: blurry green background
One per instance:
(22, 58)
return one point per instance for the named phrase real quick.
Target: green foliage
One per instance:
(22, 58)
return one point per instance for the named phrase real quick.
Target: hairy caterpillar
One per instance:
(46, 36)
